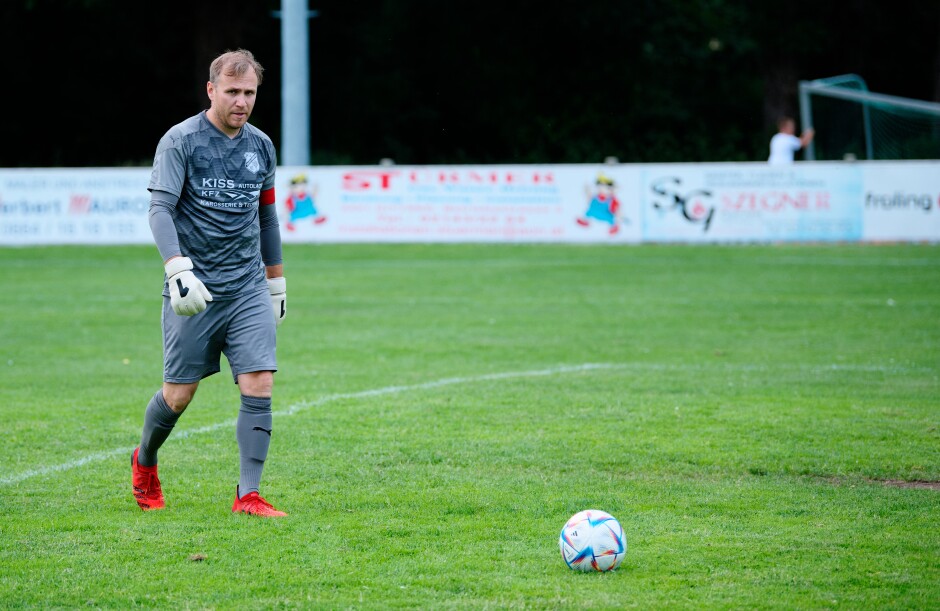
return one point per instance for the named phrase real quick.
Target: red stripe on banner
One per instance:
(267, 197)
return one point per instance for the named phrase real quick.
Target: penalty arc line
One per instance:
(303, 405)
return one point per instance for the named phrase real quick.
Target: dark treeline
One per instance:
(97, 82)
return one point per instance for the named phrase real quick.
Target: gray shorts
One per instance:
(242, 328)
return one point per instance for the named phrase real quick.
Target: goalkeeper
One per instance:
(215, 225)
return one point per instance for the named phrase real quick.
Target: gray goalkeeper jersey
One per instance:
(219, 181)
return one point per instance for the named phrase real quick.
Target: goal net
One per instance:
(854, 123)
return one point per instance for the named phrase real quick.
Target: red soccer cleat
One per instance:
(253, 504)
(147, 491)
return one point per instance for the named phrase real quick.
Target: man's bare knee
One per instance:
(256, 383)
(178, 396)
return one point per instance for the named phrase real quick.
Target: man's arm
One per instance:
(274, 271)
(806, 137)
(162, 205)
(188, 295)
(270, 236)
(271, 254)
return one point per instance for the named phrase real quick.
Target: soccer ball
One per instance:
(592, 540)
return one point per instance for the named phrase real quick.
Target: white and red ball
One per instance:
(592, 540)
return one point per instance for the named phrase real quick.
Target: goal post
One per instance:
(853, 122)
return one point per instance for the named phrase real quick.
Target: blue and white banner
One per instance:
(751, 202)
(78, 206)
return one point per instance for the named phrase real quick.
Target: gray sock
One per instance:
(253, 432)
(159, 421)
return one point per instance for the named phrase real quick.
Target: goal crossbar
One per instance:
(835, 87)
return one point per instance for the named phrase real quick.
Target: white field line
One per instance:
(389, 390)
(303, 405)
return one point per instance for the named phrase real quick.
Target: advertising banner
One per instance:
(77, 206)
(525, 203)
(751, 202)
(902, 202)
(575, 203)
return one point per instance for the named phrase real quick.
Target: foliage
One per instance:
(97, 82)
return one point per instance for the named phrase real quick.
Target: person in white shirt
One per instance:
(785, 143)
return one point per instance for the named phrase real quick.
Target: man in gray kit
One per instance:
(215, 225)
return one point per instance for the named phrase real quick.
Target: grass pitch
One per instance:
(762, 420)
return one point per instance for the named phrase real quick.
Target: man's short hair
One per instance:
(234, 63)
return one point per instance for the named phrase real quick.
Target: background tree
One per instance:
(97, 82)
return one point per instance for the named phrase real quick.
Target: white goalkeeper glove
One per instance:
(278, 289)
(188, 295)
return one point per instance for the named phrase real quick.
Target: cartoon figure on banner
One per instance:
(301, 203)
(603, 204)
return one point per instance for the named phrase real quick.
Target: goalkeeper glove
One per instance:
(188, 295)
(278, 289)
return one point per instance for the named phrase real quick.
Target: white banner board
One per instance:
(626, 203)
(77, 206)
(561, 203)
(750, 202)
(902, 202)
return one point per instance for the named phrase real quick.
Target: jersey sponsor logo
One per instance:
(252, 163)
(218, 183)
(222, 205)
(237, 195)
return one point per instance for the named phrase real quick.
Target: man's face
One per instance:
(233, 98)
(788, 127)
